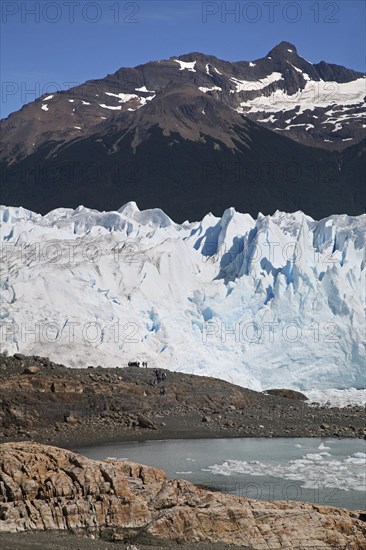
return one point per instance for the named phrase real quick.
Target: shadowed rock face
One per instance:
(46, 488)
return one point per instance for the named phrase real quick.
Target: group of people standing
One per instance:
(137, 364)
(160, 376)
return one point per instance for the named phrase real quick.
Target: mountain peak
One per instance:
(283, 49)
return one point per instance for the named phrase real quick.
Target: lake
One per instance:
(324, 471)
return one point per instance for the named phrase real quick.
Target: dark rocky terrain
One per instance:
(46, 402)
(181, 135)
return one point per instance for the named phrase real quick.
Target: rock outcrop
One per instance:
(47, 488)
(288, 394)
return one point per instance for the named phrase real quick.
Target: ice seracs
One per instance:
(269, 302)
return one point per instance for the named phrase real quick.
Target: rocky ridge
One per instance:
(50, 403)
(193, 134)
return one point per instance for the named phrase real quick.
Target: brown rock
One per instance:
(289, 394)
(144, 422)
(43, 487)
(31, 370)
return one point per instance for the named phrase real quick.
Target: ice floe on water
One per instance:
(322, 447)
(312, 470)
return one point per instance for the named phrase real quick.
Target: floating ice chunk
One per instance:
(48, 98)
(323, 447)
(44, 107)
(313, 470)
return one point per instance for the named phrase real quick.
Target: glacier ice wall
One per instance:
(272, 302)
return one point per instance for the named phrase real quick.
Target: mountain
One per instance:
(267, 302)
(193, 134)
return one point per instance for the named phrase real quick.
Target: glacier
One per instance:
(277, 301)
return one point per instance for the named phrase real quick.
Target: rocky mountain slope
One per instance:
(46, 488)
(194, 134)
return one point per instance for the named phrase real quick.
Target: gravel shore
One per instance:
(49, 403)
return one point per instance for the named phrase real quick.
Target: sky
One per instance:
(53, 45)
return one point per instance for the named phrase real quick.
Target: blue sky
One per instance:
(47, 45)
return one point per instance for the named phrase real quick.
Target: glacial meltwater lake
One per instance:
(324, 471)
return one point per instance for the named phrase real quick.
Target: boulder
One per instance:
(31, 370)
(144, 422)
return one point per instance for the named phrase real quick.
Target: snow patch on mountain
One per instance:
(212, 89)
(123, 98)
(186, 65)
(315, 94)
(111, 107)
(247, 85)
(272, 302)
(144, 89)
